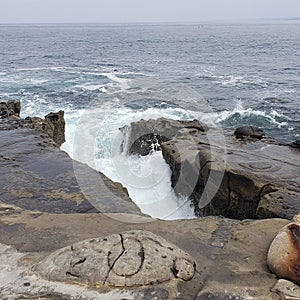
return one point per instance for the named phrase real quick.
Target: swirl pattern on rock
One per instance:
(284, 253)
(131, 258)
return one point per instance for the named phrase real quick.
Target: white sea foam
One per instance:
(146, 178)
(91, 87)
(244, 112)
(234, 80)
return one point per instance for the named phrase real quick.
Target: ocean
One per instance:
(105, 76)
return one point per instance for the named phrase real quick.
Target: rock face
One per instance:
(54, 126)
(132, 258)
(239, 179)
(10, 108)
(230, 256)
(142, 137)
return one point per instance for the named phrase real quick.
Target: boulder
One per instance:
(249, 132)
(133, 258)
(287, 290)
(284, 253)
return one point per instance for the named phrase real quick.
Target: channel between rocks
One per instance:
(239, 174)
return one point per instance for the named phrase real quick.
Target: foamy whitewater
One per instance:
(105, 76)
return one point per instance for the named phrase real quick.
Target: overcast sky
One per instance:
(36, 11)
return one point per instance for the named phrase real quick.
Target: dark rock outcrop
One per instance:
(295, 144)
(54, 126)
(142, 137)
(11, 108)
(249, 132)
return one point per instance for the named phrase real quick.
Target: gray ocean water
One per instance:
(251, 72)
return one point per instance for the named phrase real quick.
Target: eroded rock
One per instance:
(236, 178)
(132, 258)
(11, 108)
(287, 290)
(54, 126)
(145, 136)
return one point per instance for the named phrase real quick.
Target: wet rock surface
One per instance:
(249, 132)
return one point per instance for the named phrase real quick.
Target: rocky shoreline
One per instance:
(54, 244)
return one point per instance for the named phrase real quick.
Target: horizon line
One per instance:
(156, 22)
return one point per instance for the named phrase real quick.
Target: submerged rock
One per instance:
(249, 132)
(131, 258)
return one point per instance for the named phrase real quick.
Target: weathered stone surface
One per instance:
(244, 180)
(11, 108)
(249, 132)
(287, 290)
(132, 258)
(230, 255)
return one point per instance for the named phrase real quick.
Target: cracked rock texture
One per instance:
(132, 258)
